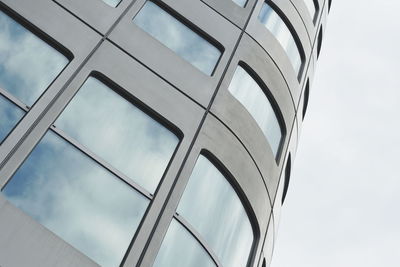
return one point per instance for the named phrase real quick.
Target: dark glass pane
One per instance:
(213, 208)
(274, 23)
(80, 201)
(178, 37)
(180, 249)
(245, 89)
(119, 132)
(9, 116)
(27, 64)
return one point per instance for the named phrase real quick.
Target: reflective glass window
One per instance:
(249, 93)
(178, 37)
(275, 24)
(10, 114)
(77, 199)
(241, 3)
(215, 211)
(28, 65)
(180, 249)
(112, 3)
(312, 9)
(120, 133)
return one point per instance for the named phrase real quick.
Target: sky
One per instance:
(342, 205)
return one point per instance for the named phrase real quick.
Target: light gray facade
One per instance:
(103, 42)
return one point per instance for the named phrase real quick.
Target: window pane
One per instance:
(77, 199)
(311, 7)
(27, 64)
(241, 3)
(112, 3)
(274, 23)
(212, 207)
(245, 89)
(9, 117)
(119, 132)
(178, 37)
(180, 249)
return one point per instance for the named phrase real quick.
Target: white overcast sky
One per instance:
(343, 204)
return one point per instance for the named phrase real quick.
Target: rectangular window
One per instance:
(277, 26)
(28, 65)
(178, 37)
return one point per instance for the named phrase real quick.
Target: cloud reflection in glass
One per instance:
(245, 89)
(213, 208)
(77, 199)
(120, 133)
(180, 249)
(274, 23)
(178, 37)
(28, 65)
(10, 115)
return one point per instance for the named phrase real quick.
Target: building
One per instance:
(150, 133)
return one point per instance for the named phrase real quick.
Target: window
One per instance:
(306, 96)
(287, 178)
(178, 37)
(281, 30)
(10, 115)
(71, 182)
(28, 65)
(212, 207)
(312, 7)
(112, 3)
(181, 249)
(120, 133)
(252, 96)
(240, 3)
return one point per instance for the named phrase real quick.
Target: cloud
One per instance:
(341, 207)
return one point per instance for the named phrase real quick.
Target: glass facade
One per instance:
(277, 26)
(181, 249)
(178, 37)
(249, 93)
(77, 199)
(120, 133)
(28, 66)
(215, 211)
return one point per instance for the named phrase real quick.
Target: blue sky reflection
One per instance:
(9, 116)
(27, 64)
(178, 37)
(77, 199)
